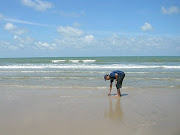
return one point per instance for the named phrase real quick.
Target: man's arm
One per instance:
(116, 76)
(110, 89)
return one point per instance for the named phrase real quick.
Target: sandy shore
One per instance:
(27, 111)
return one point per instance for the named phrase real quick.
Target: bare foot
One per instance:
(117, 95)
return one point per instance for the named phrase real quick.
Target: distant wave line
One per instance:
(113, 66)
(88, 72)
(73, 61)
(51, 77)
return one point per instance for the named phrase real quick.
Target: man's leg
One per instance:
(119, 85)
(118, 92)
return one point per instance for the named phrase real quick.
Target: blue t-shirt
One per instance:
(112, 75)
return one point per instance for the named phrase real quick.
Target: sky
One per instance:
(69, 28)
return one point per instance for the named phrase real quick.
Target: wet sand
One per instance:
(34, 111)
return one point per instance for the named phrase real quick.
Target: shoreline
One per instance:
(83, 88)
(87, 111)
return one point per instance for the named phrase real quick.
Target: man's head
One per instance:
(106, 77)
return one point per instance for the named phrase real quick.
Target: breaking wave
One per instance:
(73, 61)
(84, 66)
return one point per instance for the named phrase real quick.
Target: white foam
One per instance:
(89, 61)
(83, 66)
(74, 61)
(58, 61)
(171, 66)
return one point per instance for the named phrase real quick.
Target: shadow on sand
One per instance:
(122, 95)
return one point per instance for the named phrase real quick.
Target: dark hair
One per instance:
(105, 76)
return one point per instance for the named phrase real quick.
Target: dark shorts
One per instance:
(119, 81)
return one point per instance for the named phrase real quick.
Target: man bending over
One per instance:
(118, 76)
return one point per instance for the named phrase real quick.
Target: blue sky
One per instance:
(48, 28)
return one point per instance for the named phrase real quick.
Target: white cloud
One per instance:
(22, 21)
(124, 44)
(7, 45)
(76, 42)
(138, 44)
(27, 43)
(170, 10)
(19, 40)
(45, 45)
(73, 37)
(37, 4)
(9, 26)
(146, 27)
(23, 42)
(69, 31)
(72, 42)
(14, 29)
(20, 31)
(89, 38)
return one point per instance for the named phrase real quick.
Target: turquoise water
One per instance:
(88, 72)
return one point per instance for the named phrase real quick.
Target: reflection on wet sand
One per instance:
(115, 111)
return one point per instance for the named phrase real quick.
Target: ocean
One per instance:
(88, 72)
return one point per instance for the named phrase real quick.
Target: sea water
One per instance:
(88, 72)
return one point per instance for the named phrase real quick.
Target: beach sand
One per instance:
(38, 111)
